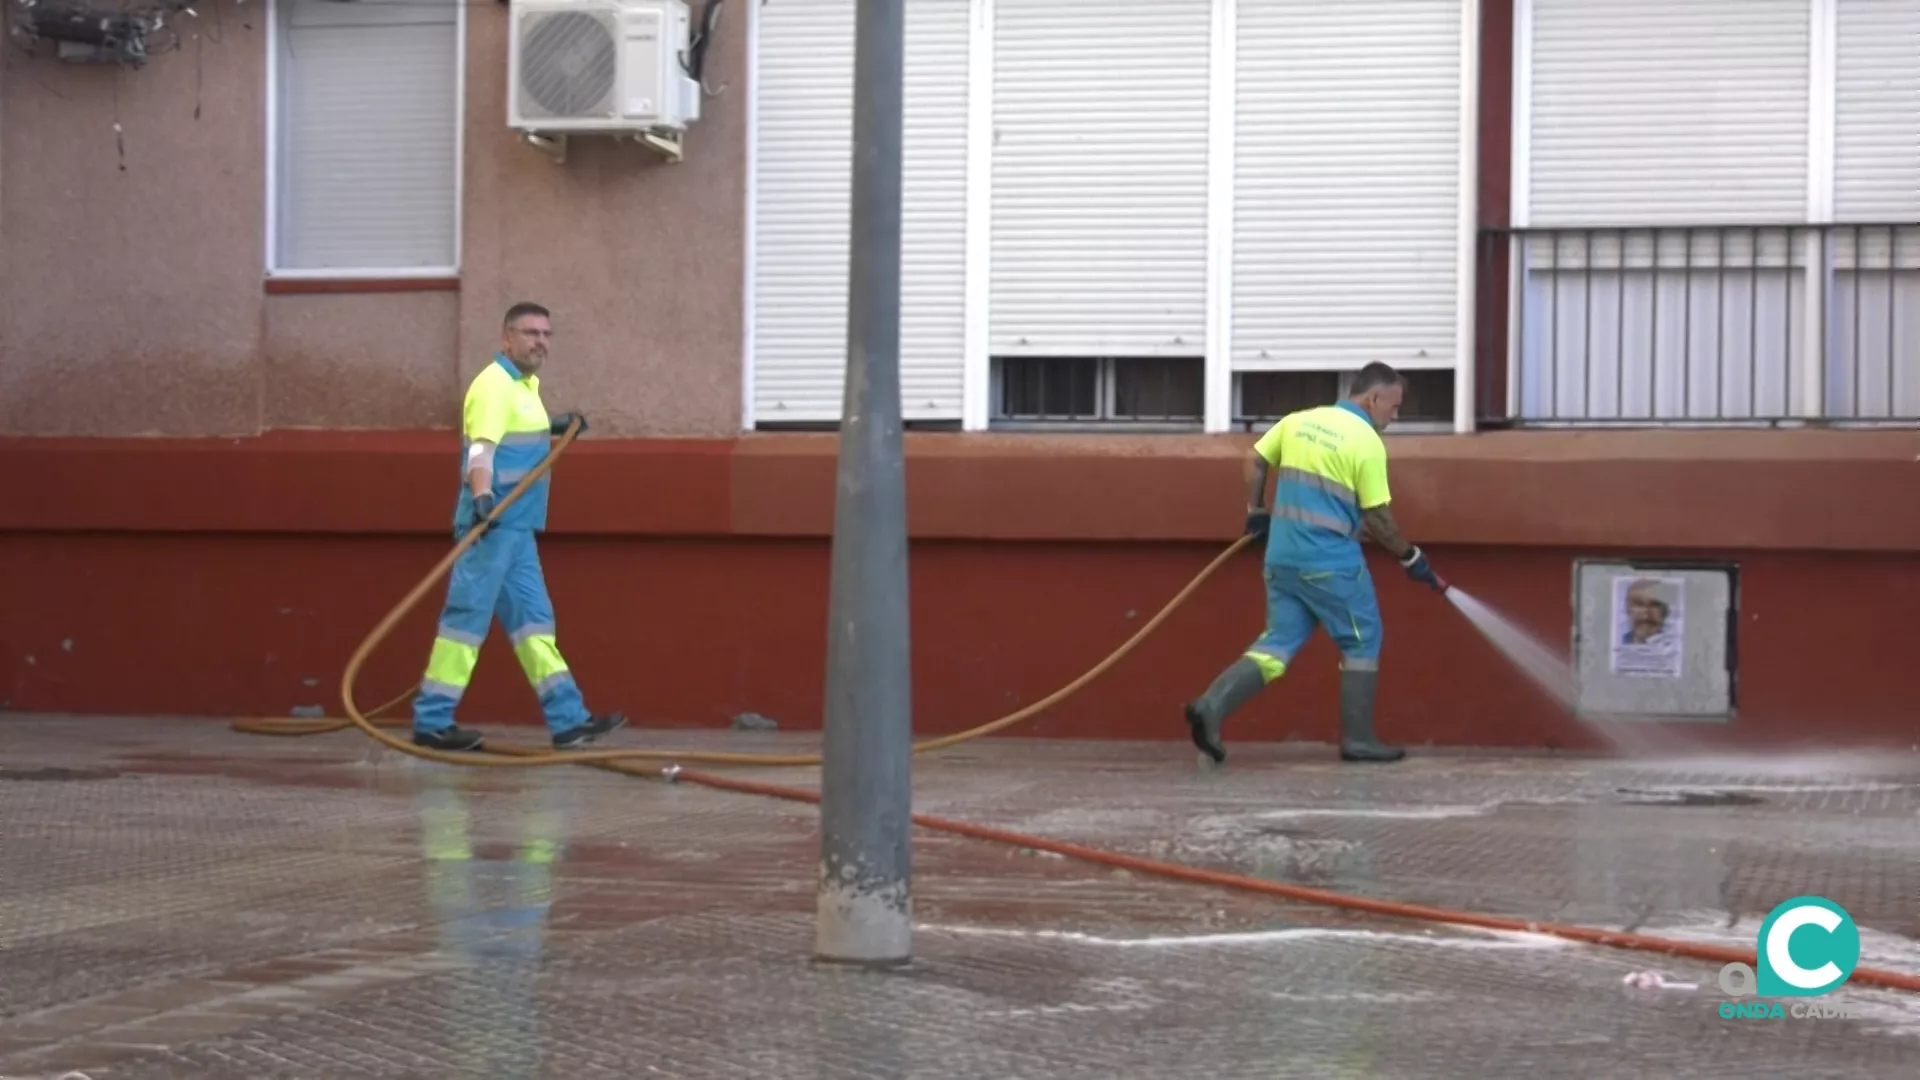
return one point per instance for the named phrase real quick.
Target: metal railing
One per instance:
(1700, 325)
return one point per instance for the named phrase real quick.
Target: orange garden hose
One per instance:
(618, 761)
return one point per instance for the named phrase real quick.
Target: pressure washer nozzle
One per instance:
(671, 772)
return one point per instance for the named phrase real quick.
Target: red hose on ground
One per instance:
(1892, 980)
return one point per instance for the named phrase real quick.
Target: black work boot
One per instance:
(1356, 719)
(454, 738)
(1231, 689)
(583, 734)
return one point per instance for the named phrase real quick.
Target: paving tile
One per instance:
(193, 902)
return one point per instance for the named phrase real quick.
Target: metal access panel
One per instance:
(1655, 640)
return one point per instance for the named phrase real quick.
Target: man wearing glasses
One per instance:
(506, 433)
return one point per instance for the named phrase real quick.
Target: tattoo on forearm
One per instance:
(1257, 491)
(1380, 525)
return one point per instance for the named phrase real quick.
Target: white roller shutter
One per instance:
(1668, 111)
(933, 265)
(1877, 111)
(1875, 314)
(802, 209)
(1346, 197)
(367, 161)
(1100, 177)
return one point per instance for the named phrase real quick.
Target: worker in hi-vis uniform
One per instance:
(1331, 488)
(506, 433)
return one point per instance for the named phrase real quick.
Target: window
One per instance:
(364, 129)
(1105, 391)
(1261, 398)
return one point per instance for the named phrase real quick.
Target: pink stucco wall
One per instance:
(132, 295)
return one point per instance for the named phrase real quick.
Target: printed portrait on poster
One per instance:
(1649, 626)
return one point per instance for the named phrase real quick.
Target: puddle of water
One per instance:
(1688, 798)
(1465, 938)
(1407, 813)
(1799, 770)
(54, 773)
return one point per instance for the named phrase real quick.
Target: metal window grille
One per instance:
(1104, 391)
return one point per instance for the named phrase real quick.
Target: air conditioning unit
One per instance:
(600, 67)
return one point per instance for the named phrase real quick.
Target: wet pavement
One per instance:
(180, 900)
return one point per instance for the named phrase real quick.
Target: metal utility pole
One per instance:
(865, 904)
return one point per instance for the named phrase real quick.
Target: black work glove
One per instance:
(482, 509)
(1417, 568)
(1258, 521)
(561, 422)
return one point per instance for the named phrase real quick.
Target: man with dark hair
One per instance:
(1332, 487)
(506, 433)
(523, 308)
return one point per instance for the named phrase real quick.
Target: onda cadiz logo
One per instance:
(1808, 946)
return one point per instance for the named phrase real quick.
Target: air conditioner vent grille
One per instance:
(567, 64)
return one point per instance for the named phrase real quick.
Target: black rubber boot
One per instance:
(1230, 690)
(1356, 719)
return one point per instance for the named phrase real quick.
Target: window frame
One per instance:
(271, 267)
(1107, 374)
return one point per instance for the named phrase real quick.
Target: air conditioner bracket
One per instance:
(554, 146)
(666, 142)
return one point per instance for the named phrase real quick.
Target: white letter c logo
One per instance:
(1781, 960)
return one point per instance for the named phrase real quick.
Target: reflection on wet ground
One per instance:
(179, 900)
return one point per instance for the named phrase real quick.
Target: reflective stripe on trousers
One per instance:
(500, 576)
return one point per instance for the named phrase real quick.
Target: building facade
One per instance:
(1146, 214)
(264, 264)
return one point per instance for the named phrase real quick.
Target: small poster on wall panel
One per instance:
(1649, 626)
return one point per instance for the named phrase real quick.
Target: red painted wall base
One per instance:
(689, 633)
(225, 577)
